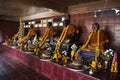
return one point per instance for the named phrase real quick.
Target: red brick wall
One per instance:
(110, 24)
(8, 27)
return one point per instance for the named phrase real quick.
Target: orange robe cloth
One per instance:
(69, 29)
(103, 39)
(72, 29)
(94, 42)
(49, 32)
(31, 32)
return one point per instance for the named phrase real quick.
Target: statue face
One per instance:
(31, 26)
(20, 23)
(49, 24)
(66, 22)
(95, 28)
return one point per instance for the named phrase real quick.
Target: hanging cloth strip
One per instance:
(62, 37)
(46, 35)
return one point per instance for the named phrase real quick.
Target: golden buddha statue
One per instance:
(68, 30)
(96, 41)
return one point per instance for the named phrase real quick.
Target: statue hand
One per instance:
(67, 41)
(97, 47)
(90, 47)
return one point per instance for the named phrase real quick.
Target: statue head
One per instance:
(95, 27)
(49, 24)
(31, 26)
(66, 22)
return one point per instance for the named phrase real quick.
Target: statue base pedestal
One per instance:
(76, 65)
(46, 57)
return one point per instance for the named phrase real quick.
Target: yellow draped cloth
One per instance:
(69, 29)
(31, 32)
(49, 32)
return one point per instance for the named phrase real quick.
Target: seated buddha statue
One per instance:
(31, 33)
(67, 36)
(96, 41)
(69, 32)
(50, 32)
(30, 36)
(47, 39)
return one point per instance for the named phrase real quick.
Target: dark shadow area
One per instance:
(38, 32)
(110, 36)
(58, 30)
(115, 47)
(78, 36)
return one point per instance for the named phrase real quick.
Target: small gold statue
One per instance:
(65, 58)
(94, 65)
(114, 66)
(99, 65)
(73, 51)
(21, 46)
(36, 50)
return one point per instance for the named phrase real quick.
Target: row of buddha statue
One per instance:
(66, 49)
